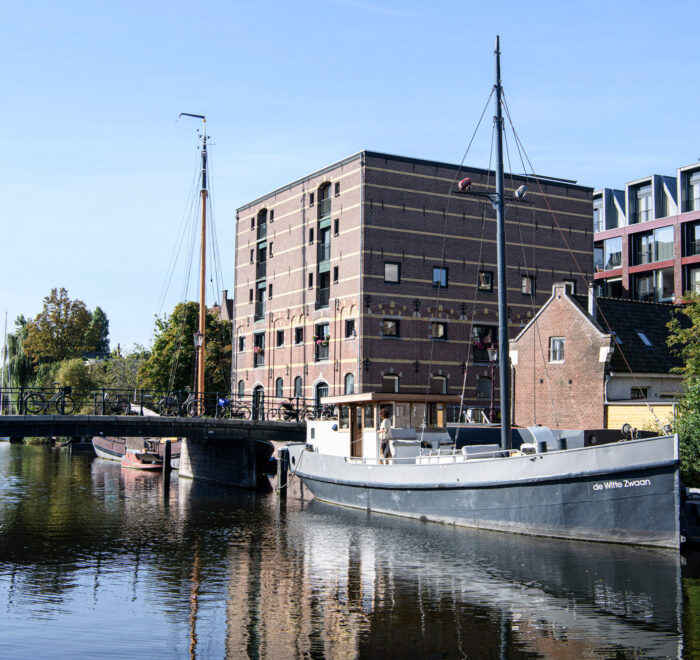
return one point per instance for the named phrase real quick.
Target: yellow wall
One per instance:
(638, 415)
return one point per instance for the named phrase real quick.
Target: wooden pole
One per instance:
(202, 270)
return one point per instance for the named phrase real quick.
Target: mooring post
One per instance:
(167, 452)
(282, 469)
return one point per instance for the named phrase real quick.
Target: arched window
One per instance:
(241, 389)
(258, 402)
(321, 391)
(298, 389)
(279, 388)
(349, 384)
(262, 224)
(324, 201)
(390, 383)
(483, 388)
(438, 385)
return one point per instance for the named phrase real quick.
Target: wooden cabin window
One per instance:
(369, 416)
(344, 417)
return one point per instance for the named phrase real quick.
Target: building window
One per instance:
(483, 338)
(250, 295)
(645, 340)
(637, 393)
(438, 385)
(654, 246)
(259, 349)
(280, 338)
(349, 384)
(311, 235)
(241, 389)
(527, 285)
(693, 280)
(335, 274)
(311, 199)
(350, 328)
(336, 226)
(598, 224)
(485, 280)
(337, 188)
(483, 387)
(692, 202)
(270, 250)
(324, 201)
(390, 383)
(643, 211)
(299, 335)
(252, 256)
(298, 387)
(322, 340)
(654, 286)
(252, 222)
(692, 238)
(392, 272)
(390, 328)
(241, 344)
(311, 280)
(570, 286)
(269, 291)
(556, 349)
(279, 388)
(438, 330)
(440, 277)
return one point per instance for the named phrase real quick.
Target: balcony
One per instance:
(259, 309)
(323, 297)
(642, 216)
(261, 270)
(324, 251)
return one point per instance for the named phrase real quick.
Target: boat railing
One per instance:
(433, 456)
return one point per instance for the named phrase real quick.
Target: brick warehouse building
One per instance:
(369, 275)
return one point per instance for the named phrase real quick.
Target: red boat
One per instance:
(142, 459)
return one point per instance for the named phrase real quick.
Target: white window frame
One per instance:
(557, 350)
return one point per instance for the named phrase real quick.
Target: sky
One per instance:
(96, 172)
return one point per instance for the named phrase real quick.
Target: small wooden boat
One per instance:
(113, 448)
(142, 459)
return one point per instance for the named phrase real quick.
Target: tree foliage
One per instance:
(98, 331)
(684, 340)
(170, 365)
(120, 372)
(76, 374)
(60, 330)
(19, 367)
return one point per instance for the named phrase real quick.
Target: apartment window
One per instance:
(241, 389)
(390, 328)
(392, 272)
(262, 224)
(272, 215)
(570, 286)
(311, 235)
(311, 280)
(252, 256)
(438, 330)
(693, 280)
(337, 188)
(350, 328)
(322, 341)
(440, 277)
(335, 274)
(349, 384)
(298, 386)
(279, 388)
(556, 349)
(241, 344)
(483, 337)
(336, 227)
(390, 383)
(643, 211)
(692, 238)
(270, 250)
(259, 349)
(655, 286)
(653, 246)
(280, 338)
(598, 215)
(438, 385)
(483, 387)
(324, 201)
(527, 285)
(250, 295)
(637, 393)
(299, 335)
(485, 280)
(311, 199)
(252, 222)
(693, 192)
(269, 291)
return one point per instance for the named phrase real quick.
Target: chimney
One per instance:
(592, 307)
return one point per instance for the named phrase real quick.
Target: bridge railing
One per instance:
(181, 403)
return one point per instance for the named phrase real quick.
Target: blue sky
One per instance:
(95, 173)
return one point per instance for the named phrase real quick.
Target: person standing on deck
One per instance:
(384, 433)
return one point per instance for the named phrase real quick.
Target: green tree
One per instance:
(684, 340)
(98, 331)
(59, 331)
(171, 362)
(121, 372)
(76, 374)
(19, 365)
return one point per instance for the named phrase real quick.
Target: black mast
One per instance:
(504, 361)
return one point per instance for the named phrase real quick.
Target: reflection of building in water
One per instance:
(349, 585)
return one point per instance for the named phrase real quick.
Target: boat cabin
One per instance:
(418, 423)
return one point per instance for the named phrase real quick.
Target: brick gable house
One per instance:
(579, 359)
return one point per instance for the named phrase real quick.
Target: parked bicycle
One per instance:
(229, 409)
(113, 405)
(61, 401)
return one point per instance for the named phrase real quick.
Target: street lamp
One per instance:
(198, 342)
(493, 357)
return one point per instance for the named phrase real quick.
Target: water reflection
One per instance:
(113, 561)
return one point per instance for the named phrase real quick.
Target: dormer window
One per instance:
(643, 211)
(645, 340)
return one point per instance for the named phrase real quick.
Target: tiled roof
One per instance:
(625, 318)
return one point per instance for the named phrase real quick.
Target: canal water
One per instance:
(96, 561)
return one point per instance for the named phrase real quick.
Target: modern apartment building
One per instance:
(373, 274)
(647, 237)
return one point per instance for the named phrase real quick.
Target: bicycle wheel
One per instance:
(327, 412)
(167, 407)
(285, 413)
(34, 403)
(310, 413)
(195, 408)
(68, 405)
(241, 412)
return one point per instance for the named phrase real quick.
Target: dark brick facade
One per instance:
(402, 212)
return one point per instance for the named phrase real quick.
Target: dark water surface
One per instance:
(96, 561)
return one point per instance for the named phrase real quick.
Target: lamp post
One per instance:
(198, 343)
(493, 357)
